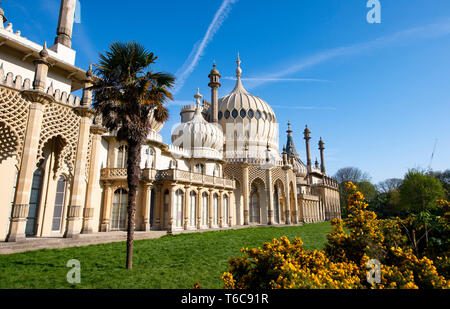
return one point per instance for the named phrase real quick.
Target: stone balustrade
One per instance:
(173, 175)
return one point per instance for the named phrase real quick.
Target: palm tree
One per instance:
(126, 96)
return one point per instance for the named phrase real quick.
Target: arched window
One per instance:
(225, 210)
(251, 114)
(220, 116)
(217, 170)
(243, 113)
(234, 113)
(215, 210)
(59, 204)
(35, 198)
(150, 153)
(205, 213)
(192, 209)
(122, 157)
(254, 206)
(199, 168)
(166, 206)
(276, 206)
(173, 164)
(178, 208)
(227, 114)
(119, 210)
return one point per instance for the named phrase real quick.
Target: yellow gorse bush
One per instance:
(342, 264)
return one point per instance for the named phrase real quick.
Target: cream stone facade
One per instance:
(62, 174)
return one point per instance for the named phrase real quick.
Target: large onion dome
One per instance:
(248, 123)
(201, 138)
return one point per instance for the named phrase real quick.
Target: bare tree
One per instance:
(352, 174)
(389, 185)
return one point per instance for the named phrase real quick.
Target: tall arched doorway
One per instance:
(59, 204)
(119, 210)
(205, 212)
(255, 206)
(192, 209)
(35, 198)
(178, 208)
(225, 210)
(276, 206)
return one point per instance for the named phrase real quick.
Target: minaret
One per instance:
(322, 157)
(308, 151)
(214, 83)
(65, 23)
(290, 148)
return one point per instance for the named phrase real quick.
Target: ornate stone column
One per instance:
(146, 200)
(220, 210)
(288, 200)
(170, 210)
(210, 208)
(296, 212)
(269, 198)
(231, 201)
(186, 208)
(94, 181)
(38, 99)
(245, 193)
(199, 209)
(107, 203)
(78, 193)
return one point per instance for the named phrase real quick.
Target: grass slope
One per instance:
(170, 262)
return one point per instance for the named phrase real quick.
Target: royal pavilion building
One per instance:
(63, 174)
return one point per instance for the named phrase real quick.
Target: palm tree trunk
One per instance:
(133, 173)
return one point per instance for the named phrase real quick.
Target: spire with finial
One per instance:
(197, 97)
(238, 69)
(44, 52)
(289, 131)
(239, 87)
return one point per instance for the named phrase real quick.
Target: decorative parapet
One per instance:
(172, 175)
(255, 161)
(327, 182)
(18, 83)
(154, 136)
(113, 174)
(187, 108)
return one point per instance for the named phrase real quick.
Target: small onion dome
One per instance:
(247, 119)
(44, 52)
(203, 139)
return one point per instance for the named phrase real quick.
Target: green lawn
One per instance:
(170, 262)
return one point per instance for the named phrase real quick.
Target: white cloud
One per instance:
(189, 65)
(279, 79)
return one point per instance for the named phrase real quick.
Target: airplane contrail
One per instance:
(191, 62)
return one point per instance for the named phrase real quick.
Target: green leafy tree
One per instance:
(444, 178)
(127, 96)
(419, 192)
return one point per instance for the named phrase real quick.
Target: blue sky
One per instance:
(378, 94)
